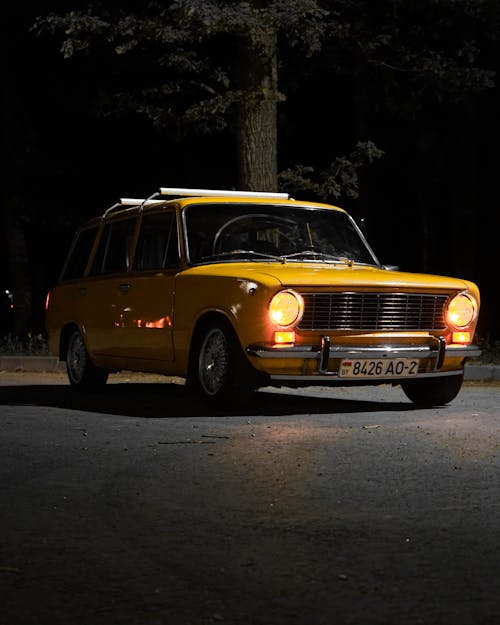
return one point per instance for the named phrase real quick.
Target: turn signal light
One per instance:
(461, 337)
(284, 337)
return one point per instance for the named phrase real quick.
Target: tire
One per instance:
(220, 373)
(433, 392)
(82, 373)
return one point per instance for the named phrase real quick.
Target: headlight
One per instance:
(461, 310)
(286, 308)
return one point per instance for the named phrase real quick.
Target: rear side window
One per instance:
(80, 253)
(115, 247)
(157, 247)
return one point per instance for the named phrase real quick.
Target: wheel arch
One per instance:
(64, 337)
(206, 319)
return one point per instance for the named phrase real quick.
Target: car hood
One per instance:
(319, 275)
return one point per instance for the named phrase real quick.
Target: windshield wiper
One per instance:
(242, 253)
(313, 255)
(320, 255)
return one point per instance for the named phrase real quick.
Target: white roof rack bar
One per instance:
(130, 201)
(180, 191)
(111, 209)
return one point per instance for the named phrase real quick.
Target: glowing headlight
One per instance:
(461, 310)
(286, 308)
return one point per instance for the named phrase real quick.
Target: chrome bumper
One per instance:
(323, 353)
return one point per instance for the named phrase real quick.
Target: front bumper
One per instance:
(434, 355)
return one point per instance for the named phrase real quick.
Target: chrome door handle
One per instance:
(124, 287)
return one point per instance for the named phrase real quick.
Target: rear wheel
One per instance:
(433, 392)
(219, 370)
(82, 373)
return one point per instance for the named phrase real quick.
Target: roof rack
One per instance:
(180, 191)
(185, 192)
(128, 201)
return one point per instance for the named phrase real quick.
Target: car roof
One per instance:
(183, 197)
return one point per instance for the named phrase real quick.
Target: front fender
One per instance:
(243, 302)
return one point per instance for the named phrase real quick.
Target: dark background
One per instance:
(430, 201)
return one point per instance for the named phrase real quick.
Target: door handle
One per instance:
(124, 287)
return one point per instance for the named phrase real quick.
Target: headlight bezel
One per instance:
(462, 310)
(286, 308)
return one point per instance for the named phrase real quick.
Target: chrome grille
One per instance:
(373, 311)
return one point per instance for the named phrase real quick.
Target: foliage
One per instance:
(187, 55)
(340, 178)
(188, 49)
(407, 52)
(184, 67)
(29, 345)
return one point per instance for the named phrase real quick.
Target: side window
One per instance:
(77, 262)
(157, 247)
(115, 246)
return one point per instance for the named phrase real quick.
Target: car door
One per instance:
(101, 296)
(145, 296)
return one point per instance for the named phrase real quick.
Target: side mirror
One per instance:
(390, 267)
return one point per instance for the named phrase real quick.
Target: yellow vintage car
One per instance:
(237, 290)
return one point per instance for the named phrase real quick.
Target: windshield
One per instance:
(231, 232)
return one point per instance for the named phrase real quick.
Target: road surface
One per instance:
(136, 505)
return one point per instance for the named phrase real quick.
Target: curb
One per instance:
(31, 363)
(484, 373)
(473, 372)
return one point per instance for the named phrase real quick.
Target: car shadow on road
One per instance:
(167, 400)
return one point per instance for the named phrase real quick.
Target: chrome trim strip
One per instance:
(336, 351)
(362, 351)
(302, 351)
(384, 351)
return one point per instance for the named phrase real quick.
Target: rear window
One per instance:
(115, 247)
(80, 254)
(157, 247)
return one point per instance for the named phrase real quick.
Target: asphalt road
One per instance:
(318, 507)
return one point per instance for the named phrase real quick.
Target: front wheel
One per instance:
(82, 373)
(219, 370)
(433, 392)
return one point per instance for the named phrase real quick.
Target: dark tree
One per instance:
(205, 66)
(218, 63)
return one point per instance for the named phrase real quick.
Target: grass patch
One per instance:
(29, 345)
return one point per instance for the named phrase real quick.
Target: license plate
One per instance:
(379, 368)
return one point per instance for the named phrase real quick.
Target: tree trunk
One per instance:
(255, 119)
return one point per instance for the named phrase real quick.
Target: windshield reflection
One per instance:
(256, 232)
